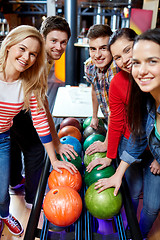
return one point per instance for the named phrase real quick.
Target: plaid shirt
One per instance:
(101, 81)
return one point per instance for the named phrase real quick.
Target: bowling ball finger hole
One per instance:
(55, 192)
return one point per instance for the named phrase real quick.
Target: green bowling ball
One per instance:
(91, 139)
(77, 161)
(89, 158)
(102, 205)
(95, 175)
(87, 122)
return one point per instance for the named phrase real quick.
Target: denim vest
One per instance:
(136, 147)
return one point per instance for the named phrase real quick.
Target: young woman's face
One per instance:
(23, 55)
(146, 65)
(99, 53)
(121, 51)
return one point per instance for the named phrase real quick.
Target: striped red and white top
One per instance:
(12, 102)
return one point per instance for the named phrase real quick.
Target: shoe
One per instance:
(13, 225)
(18, 185)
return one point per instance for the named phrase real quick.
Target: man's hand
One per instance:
(94, 122)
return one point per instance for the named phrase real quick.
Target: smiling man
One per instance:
(56, 33)
(99, 69)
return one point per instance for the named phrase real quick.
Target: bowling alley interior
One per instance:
(67, 205)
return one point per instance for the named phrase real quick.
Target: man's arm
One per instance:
(94, 121)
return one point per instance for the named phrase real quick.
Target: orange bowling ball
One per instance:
(65, 179)
(62, 206)
(70, 131)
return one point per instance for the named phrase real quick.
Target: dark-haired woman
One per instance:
(144, 122)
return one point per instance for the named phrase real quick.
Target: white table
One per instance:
(74, 102)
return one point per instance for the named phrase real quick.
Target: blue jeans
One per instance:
(151, 199)
(139, 178)
(4, 175)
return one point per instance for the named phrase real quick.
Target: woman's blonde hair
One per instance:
(34, 79)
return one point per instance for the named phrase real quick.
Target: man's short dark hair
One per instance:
(99, 30)
(55, 23)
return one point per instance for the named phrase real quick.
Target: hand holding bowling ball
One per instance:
(95, 175)
(91, 139)
(90, 158)
(74, 142)
(77, 162)
(88, 120)
(114, 181)
(65, 179)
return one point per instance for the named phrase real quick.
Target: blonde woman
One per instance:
(23, 84)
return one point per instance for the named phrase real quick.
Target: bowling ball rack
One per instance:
(85, 228)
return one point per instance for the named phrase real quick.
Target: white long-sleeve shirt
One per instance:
(12, 101)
